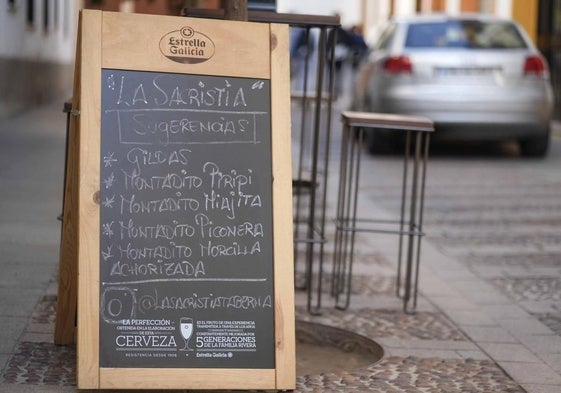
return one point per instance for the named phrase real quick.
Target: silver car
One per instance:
(477, 77)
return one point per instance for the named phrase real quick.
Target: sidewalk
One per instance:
(31, 173)
(465, 337)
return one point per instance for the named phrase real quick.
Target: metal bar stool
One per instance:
(416, 131)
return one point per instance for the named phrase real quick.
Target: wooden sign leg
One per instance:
(65, 323)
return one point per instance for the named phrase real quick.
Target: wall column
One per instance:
(503, 8)
(525, 12)
(375, 16)
(404, 7)
(453, 6)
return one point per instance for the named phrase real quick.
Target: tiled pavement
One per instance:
(472, 332)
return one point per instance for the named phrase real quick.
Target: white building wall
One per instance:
(377, 12)
(503, 8)
(453, 6)
(349, 10)
(36, 58)
(24, 41)
(404, 7)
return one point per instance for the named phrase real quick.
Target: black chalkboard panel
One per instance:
(186, 264)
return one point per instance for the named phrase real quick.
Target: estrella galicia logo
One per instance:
(187, 46)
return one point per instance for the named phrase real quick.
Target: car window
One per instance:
(464, 34)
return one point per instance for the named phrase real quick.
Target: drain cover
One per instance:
(323, 349)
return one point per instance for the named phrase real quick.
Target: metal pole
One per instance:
(402, 212)
(235, 10)
(421, 213)
(300, 183)
(314, 175)
(340, 219)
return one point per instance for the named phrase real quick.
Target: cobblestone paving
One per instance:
(412, 374)
(552, 321)
(388, 323)
(47, 364)
(498, 239)
(42, 363)
(531, 288)
(361, 284)
(528, 260)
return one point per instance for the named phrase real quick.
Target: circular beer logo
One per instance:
(187, 32)
(187, 46)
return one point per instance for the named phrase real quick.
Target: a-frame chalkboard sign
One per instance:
(179, 205)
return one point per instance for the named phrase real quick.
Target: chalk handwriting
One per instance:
(258, 85)
(140, 157)
(207, 229)
(169, 181)
(107, 229)
(166, 94)
(146, 124)
(158, 268)
(210, 301)
(107, 253)
(211, 249)
(174, 230)
(167, 252)
(111, 82)
(109, 160)
(118, 303)
(231, 180)
(109, 201)
(108, 182)
(231, 202)
(171, 204)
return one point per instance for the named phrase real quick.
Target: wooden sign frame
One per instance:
(120, 41)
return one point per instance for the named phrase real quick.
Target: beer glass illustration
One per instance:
(186, 329)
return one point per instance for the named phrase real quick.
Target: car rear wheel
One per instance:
(535, 147)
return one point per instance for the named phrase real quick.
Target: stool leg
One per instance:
(426, 144)
(323, 202)
(350, 159)
(340, 222)
(354, 177)
(315, 152)
(412, 225)
(402, 212)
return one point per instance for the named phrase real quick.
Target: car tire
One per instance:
(535, 147)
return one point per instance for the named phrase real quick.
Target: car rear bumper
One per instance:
(481, 114)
